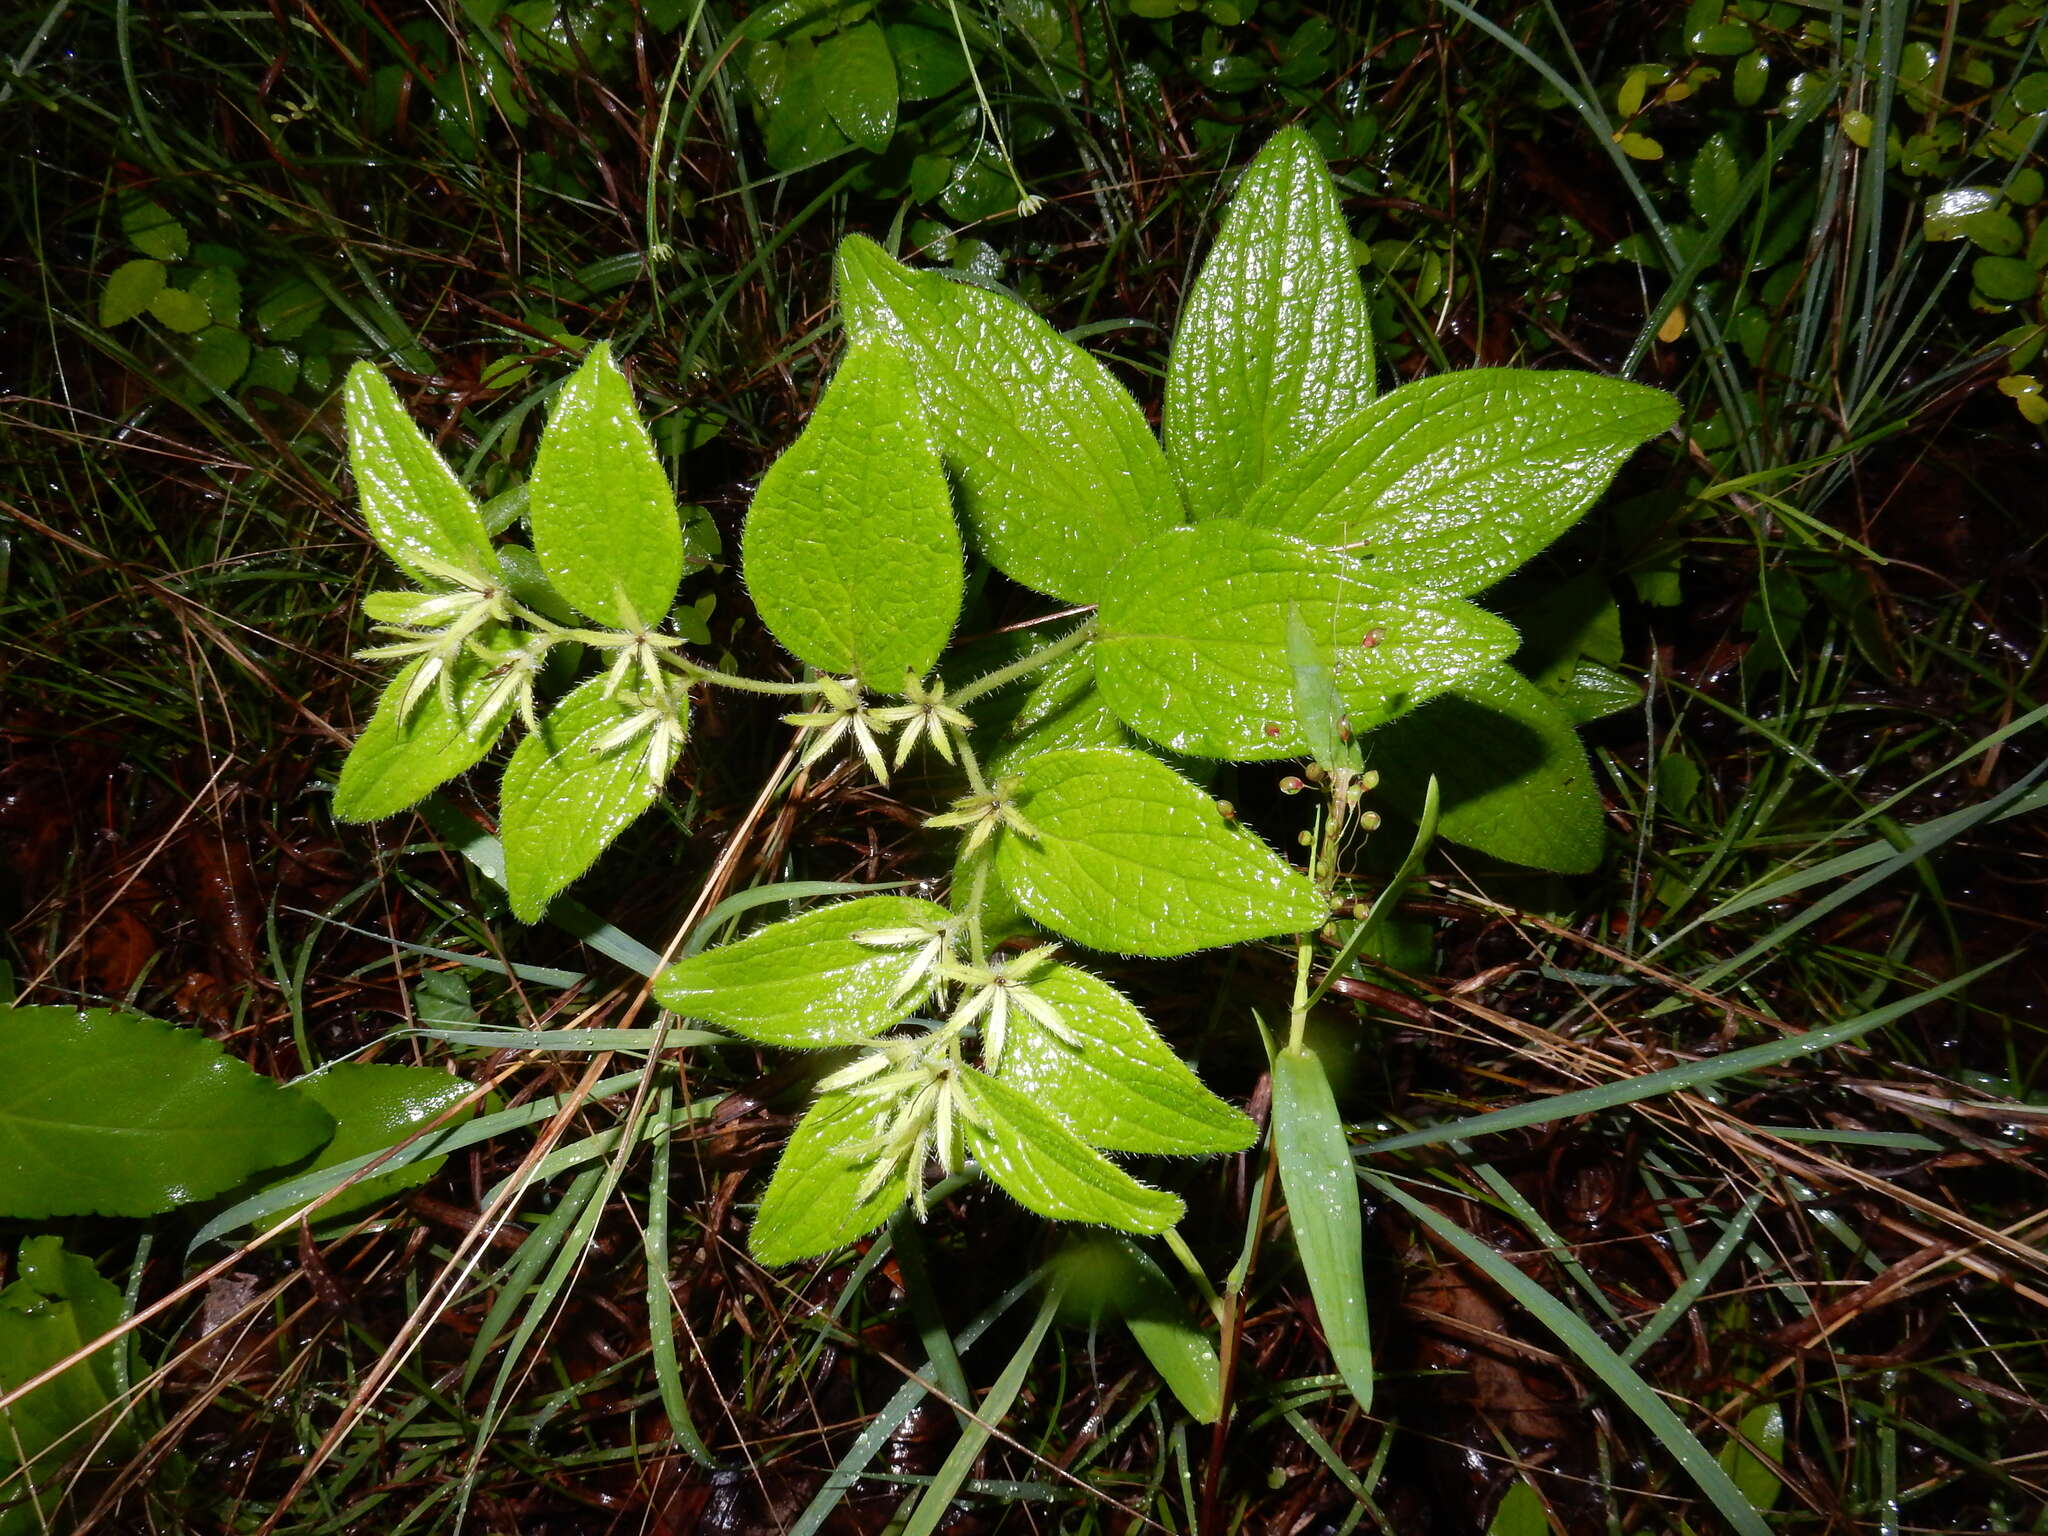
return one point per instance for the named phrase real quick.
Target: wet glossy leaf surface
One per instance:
(56, 1305)
(1274, 346)
(811, 1206)
(1193, 640)
(111, 1114)
(806, 981)
(1046, 1168)
(1447, 484)
(376, 1105)
(604, 518)
(409, 496)
(1115, 1083)
(566, 794)
(401, 757)
(1133, 858)
(851, 552)
(1058, 473)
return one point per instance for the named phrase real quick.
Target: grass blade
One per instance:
(1576, 1335)
(1693, 1074)
(1317, 1177)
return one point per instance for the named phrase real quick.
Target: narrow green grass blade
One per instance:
(537, 975)
(764, 895)
(1576, 1335)
(870, 1441)
(924, 1309)
(586, 1041)
(1680, 1301)
(1317, 1177)
(542, 1244)
(1381, 910)
(938, 1499)
(661, 1321)
(1693, 1074)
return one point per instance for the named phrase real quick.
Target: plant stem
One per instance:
(971, 765)
(1024, 666)
(702, 674)
(1178, 1246)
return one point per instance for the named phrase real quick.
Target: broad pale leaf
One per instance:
(400, 758)
(603, 516)
(858, 78)
(130, 288)
(566, 795)
(850, 549)
(417, 510)
(1322, 1205)
(1058, 473)
(1131, 857)
(807, 981)
(811, 1206)
(377, 1106)
(1449, 483)
(1192, 640)
(1274, 347)
(1046, 1168)
(57, 1305)
(1514, 775)
(1114, 1083)
(111, 1114)
(1063, 708)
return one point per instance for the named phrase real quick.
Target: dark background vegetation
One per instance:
(1831, 586)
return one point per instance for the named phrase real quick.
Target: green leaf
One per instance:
(417, 510)
(1716, 178)
(1046, 1168)
(796, 124)
(1593, 692)
(807, 981)
(152, 230)
(221, 292)
(1516, 782)
(603, 517)
(567, 795)
(1114, 1082)
(1191, 646)
(111, 1114)
(57, 1305)
(858, 78)
(1058, 473)
(1758, 1476)
(1180, 1351)
(1275, 341)
(811, 1206)
(1322, 1205)
(130, 288)
(850, 549)
(220, 356)
(376, 1106)
(180, 311)
(1062, 709)
(1449, 483)
(400, 757)
(1131, 857)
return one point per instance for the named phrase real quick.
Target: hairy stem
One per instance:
(1024, 666)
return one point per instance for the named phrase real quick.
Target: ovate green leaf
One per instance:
(110, 1114)
(401, 757)
(569, 791)
(1757, 1472)
(1058, 472)
(1275, 342)
(1113, 1082)
(1180, 1351)
(603, 516)
(808, 981)
(152, 230)
(1447, 484)
(1131, 857)
(1515, 779)
(1322, 1205)
(1192, 640)
(858, 78)
(850, 549)
(415, 507)
(811, 1204)
(376, 1106)
(1046, 1168)
(1062, 709)
(130, 287)
(57, 1305)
